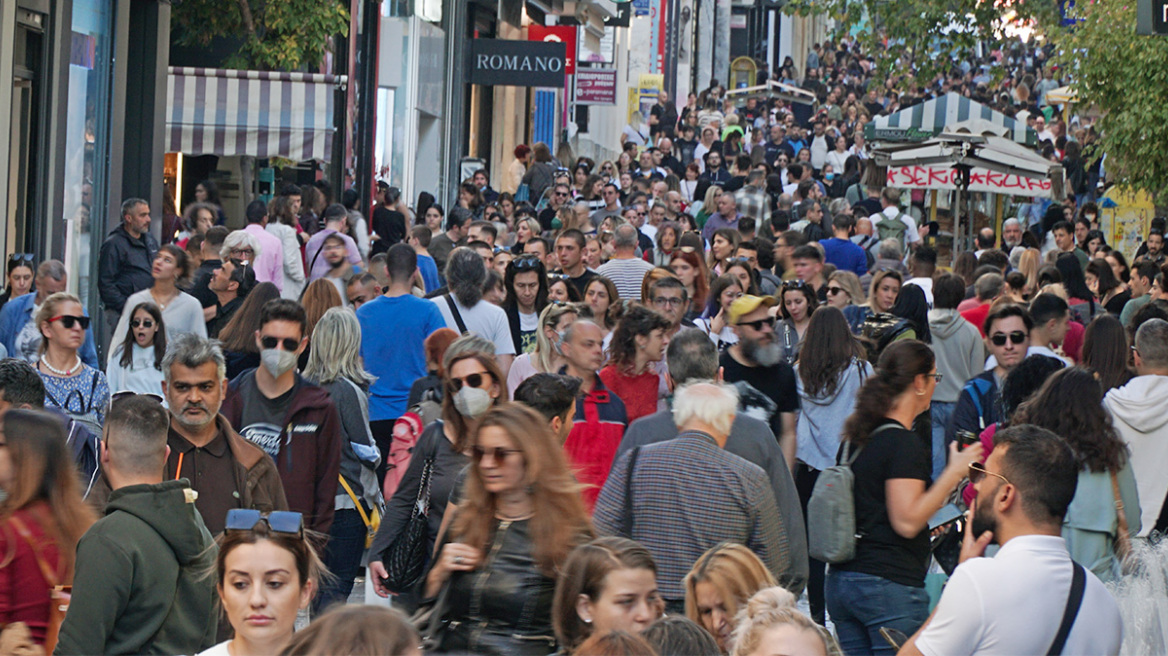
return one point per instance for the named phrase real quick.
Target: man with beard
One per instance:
(766, 384)
(1011, 234)
(988, 606)
(226, 470)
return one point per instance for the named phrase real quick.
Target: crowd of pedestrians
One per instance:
(595, 412)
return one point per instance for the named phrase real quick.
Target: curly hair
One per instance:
(638, 321)
(1070, 405)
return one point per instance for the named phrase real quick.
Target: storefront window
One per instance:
(86, 143)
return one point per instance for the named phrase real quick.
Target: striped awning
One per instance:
(930, 118)
(257, 113)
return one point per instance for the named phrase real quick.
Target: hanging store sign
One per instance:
(943, 177)
(596, 87)
(517, 63)
(565, 34)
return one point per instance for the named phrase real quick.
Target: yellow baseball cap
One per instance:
(748, 303)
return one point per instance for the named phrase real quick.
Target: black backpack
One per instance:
(880, 330)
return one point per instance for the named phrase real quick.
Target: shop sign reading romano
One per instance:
(517, 63)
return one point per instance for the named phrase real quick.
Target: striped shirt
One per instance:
(626, 275)
(690, 495)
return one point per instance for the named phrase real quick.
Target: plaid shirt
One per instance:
(690, 495)
(755, 203)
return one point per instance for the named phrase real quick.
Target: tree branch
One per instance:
(245, 13)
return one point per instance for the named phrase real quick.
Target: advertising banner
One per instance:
(596, 87)
(516, 63)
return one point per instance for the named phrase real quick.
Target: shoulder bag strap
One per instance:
(1122, 537)
(454, 311)
(627, 519)
(314, 258)
(1074, 602)
(47, 571)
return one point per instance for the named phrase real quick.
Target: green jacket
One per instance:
(141, 584)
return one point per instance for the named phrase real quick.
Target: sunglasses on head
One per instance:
(127, 393)
(999, 339)
(558, 276)
(141, 323)
(69, 321)
(794, 284)
(757, 325)
(526, 263)
(279, 521)
(272, 342)
(498, 454)
(20, 257)
(474, 380)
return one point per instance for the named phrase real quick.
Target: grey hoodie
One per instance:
(960, 352)
(141, 584)
(1138, 411)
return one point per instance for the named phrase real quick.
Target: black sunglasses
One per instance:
(474, 380)
(498, 454)
(272, 342)
(526, 263)
(69, 321)
(141, 323)
(558, 276)
(757, 325)
(834, 290)
(794, 284)
(999, 339)
(279, 521)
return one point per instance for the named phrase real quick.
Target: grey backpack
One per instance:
(831, 511)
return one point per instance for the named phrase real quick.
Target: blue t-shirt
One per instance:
(429, 271)
(392, 334)
(845, 255)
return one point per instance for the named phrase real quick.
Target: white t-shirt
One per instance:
(218, 650)
(911, 235)
(485, 319)
(1013, 603)
(926, 285)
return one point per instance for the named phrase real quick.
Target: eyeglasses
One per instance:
(498, 454)
(757, 325)
(999, 339)
(669, 300)
(978, 472)
(474, 380)
(279, 521)
(242, 251)
(69, 321)
(271, 343)
(936, 377)
(141, 323)
(832, 291)
(526, 263)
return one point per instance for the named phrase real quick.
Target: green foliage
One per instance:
(276, 34)
(914, 41)
(1125, 76)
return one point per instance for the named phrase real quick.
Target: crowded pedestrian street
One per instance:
(583, 328)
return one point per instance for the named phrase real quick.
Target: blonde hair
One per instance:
(544, 355)
(1028, 264)
(851, 284)
(735, 571)
(770, 608)
(49, 310)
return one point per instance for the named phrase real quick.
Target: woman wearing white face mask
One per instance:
(473, 384)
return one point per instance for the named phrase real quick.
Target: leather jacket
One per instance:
(504, 607)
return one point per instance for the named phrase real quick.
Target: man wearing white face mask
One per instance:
(292, 420)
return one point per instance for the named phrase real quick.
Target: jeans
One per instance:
(342, 556)
(942, 412)
(805, 478)
(860, 604)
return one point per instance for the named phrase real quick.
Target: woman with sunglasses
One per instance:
(883, 586)
(473, 384)
(637, 344)
(265, 572)
(1070, 405)
(183, 313)
(520, 517)
(797, 302)
(19, 277)
(845, 293)
(71, 385)
(831, 368)
(136, 364)
(42, 515)
(725, 290)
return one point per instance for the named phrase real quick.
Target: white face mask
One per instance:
(472, 402)
(278, 361)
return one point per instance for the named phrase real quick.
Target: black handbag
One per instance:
(405, 558)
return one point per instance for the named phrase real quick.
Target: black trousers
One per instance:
(805, 478)
(383, 436)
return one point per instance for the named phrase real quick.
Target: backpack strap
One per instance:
(846, 459)
(454, 311)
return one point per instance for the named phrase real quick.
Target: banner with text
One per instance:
(944, 177)
(517, 63)
(595, 87)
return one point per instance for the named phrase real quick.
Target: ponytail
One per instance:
(898, 366)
